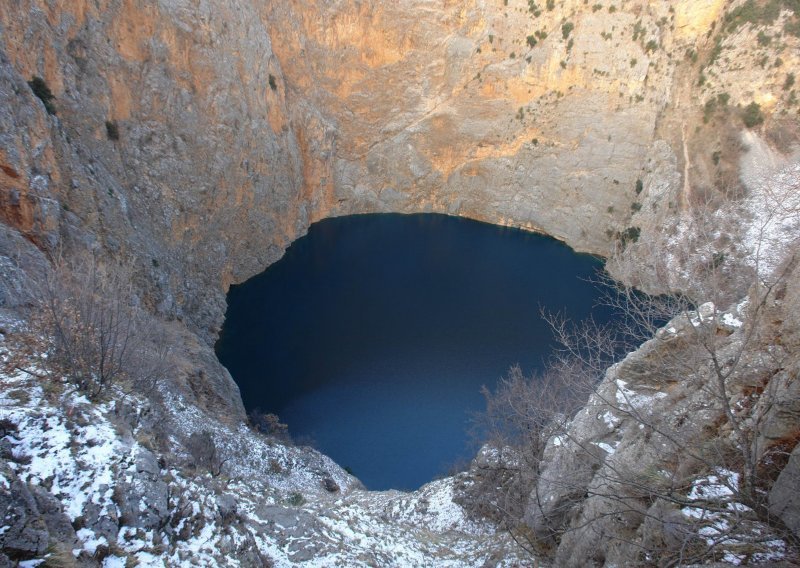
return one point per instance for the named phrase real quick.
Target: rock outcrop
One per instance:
(653, 468)
(94, 484)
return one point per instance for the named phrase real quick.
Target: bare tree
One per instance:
(522, 415)
(85, 325)
(708, 382)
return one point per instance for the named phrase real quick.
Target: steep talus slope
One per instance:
(97, 484)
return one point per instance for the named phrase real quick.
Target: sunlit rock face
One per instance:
(449, 107)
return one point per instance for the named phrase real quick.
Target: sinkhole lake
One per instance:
(373, 335)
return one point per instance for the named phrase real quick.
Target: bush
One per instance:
(758, 13)
(709, 109)
(268, 424)
(88, 328)
(112, 130)
(43, 92)
(566, 29)
(273, 84)
(521, 415)
(296, 499)
(629, 235)
(638, 30)
(330, 485)
(752, 115)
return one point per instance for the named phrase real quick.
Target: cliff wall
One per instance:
(203, 138)
(200, 138)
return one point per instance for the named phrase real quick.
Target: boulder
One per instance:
(143, 498)
(33, 519)
(784, 497)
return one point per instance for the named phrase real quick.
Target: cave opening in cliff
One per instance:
(373, 335)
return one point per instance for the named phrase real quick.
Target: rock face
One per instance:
(482, 110)
(202, 139)
(167, 135)
(34, 520)
(653, 463)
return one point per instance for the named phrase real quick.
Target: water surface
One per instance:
(373, 335)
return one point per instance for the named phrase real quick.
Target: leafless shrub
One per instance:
(86, 326)
(269, 424)
(732, 365)
(522, 415)
(204, 453)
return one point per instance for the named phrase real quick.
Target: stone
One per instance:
(26, 536)
(240, 124)
(330, 485)
(784, 498)
(19, 261)
(33, 520)
(226, 505)
(143, 500)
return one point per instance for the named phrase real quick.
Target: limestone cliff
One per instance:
(203, 138)
(168, 143)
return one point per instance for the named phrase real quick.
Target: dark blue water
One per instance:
(373, 335)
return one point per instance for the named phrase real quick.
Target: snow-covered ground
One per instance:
(730, 523)
(125, 503)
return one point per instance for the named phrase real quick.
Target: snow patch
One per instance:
(608, 448)
(629, 399)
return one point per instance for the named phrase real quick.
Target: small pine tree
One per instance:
(752, 115)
